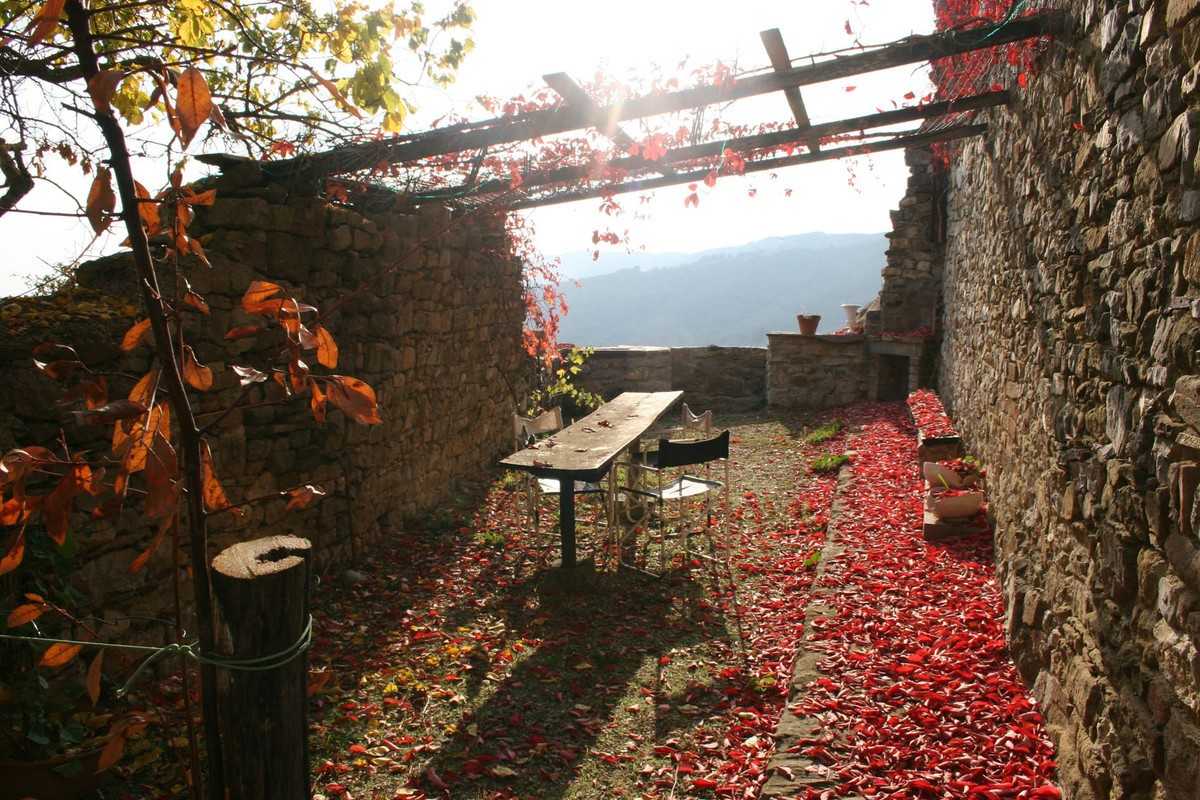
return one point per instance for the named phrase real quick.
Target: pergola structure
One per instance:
(941, 121)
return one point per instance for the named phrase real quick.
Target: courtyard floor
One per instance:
(464, 665)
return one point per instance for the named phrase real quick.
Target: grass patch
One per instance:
(829, 462)
(824, 433)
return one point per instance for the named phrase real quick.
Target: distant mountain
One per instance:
(729, 296)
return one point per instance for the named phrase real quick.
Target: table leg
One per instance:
(566, 519)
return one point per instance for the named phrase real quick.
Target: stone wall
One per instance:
(727, 380)
(439, 339)
(814, 372)
(912, 277)
(1070, 364)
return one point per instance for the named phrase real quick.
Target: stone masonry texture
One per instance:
(1070, 360)
(439, 339)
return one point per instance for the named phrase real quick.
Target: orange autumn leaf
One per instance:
(93, 677)
(355, 398)
(25, 613)
(214, 495)
(57, 655)
(303, 496)
(46, 20)
(193, 104)
(317, 403)
(162, 479)
(137, 334)
(327, 349)
(257, 299)
(100, 201)
(196, 374)
(195, 301)
(147, 210)
(113, 750)
(57, 507)
(102, 85)
(141, 437)
(242, 332)
(16, 552)
(139, 563)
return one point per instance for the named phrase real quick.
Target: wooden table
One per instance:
(586, 450)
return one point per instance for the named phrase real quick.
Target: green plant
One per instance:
(824, 433)
(555, 385)
(829, 462)
(491, 538)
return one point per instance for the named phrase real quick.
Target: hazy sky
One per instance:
(517, 41)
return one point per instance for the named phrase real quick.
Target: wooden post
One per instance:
(261, 589)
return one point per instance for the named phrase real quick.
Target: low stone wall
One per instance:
(815, 372)
(727, 380)
(437, 334)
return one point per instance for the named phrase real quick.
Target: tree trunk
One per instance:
(261, 589)
(189, 434)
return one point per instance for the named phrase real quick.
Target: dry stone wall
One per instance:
(727, 380)
(815, 372)
(1070, 362)
(439, 339)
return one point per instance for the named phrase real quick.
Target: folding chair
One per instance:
(525, 432)
(677, 454)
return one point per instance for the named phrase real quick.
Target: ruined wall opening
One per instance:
(893, 378)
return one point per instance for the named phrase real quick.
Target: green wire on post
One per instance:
(189, 650)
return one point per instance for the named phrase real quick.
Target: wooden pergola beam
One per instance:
(504, 130)
(743, 144)
(574, 94)
(777, 52)
(649, 184)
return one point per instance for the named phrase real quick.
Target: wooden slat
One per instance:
(573, 93)
(743, 144)
(915, 49)
(777, 52)
(590, 445)
(898, 143)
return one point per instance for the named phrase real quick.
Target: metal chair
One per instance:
(678, 454)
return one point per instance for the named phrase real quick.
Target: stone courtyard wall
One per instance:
(727, 380)
(1070, 363)
(816, 372)
(437, 334)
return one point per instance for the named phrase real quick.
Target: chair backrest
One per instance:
(696, 422)
(680, 454)
(526, 427)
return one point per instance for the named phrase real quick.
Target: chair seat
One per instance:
(551, 486)
(687, 486)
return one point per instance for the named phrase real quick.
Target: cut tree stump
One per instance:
(261, 594)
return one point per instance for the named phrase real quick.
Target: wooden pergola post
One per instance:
(261, 594)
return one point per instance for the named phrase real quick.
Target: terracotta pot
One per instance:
(808, 323)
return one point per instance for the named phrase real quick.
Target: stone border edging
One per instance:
(791, 727)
